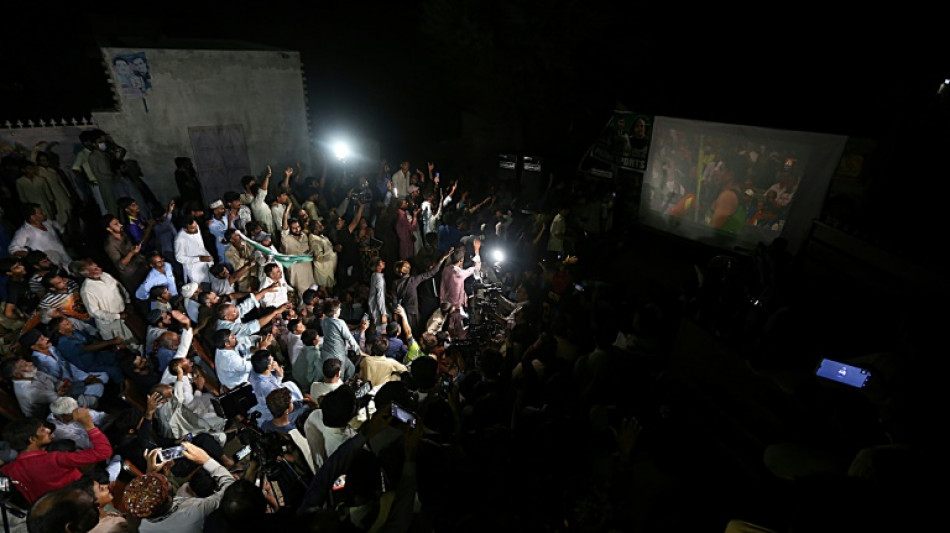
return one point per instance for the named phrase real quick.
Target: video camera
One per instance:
(363, 196)
(361, 389)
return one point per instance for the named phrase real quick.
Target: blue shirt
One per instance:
(397, 349)
(268, 425)
(155, 278)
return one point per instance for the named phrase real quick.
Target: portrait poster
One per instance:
(131, 73)
(625, 141)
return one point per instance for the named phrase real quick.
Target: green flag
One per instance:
(283, 259)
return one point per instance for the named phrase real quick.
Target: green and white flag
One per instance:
(283, 259)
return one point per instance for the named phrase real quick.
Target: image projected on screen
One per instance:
(735, 185)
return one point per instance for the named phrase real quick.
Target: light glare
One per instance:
(341, 150)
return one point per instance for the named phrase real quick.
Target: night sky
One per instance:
(407, 72)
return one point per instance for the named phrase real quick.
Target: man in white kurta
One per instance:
(274, 276)
(38, 233)
(105, 299)
(190, 251)
(324, 257)
(294, 242)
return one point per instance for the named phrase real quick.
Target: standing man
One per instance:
(95, 163)
(400, 180)
(294, 242)
(558, 233)
(190, 251)
(64, 194)
(38, 233)
(124, 254)
(324, 257)
(405, 287)
(218, 224)
(377, 295)
(452, 289)
(187, 180)
(240, 256)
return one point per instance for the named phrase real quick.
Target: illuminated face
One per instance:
(93, 271)
(58, 283)
(115, 226)
(192, 228)
(103, 495)
(43, 436)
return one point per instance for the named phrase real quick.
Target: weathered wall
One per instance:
(261, 91)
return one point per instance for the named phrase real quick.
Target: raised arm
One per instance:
(356, 219)
(283, 224)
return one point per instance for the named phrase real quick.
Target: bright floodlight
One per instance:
(341, 150)
(498, 256)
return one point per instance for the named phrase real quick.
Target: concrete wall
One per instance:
(261, 91)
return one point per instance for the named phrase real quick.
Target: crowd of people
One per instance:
(335, 354)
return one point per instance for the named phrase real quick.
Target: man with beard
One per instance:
(38, 233)
(240, 255)
(190, 251)
(125, 255)
(324, 257)
(294, 242)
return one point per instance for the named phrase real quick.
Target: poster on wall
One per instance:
(625, 141)
(131, 74)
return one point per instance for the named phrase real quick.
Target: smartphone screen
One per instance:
(242, 453)
(168, 454)
(403, 415)
(850, 375)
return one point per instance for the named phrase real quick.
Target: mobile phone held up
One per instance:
(853, 376)
(167, 454)
(242, 453)
(403, 415)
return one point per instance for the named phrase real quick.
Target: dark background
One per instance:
(439, 79)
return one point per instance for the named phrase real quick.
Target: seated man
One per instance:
(138, 368)
(284, 411)
(171, 345)
(329, 426)
(196, 398)
(397, 349)
(36, 471)
(332, 379)
(81, 350)
(158, 322)
(268, 375)
(151, 498)
(178, 418)
(67, 427)
(67, 509)
(35, 390)
(47, 359)
(159, 273)
(232, 367)
(233, 317)
(105, 299)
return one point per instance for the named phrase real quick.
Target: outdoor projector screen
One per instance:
(736, 186)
